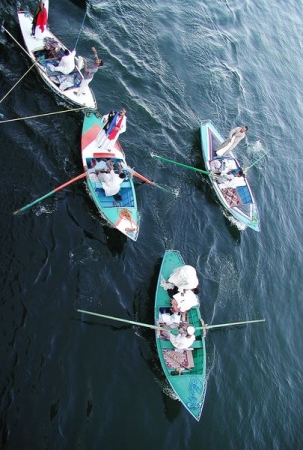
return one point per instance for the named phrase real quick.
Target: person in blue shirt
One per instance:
(89, 72)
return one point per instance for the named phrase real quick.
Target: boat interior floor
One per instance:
(49, 60)
(124, 198)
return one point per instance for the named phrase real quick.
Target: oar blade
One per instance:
(24, 208)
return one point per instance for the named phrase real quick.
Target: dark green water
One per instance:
(69, 381)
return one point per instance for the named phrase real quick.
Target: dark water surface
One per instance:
(70, 381)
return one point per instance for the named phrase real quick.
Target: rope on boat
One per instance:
(80, 29)
(43, 115)
(17, 42)
(17, 82)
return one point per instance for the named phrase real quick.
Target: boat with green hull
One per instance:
(185, 370)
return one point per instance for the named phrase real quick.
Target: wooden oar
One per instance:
(257, 160)
(181, 165)
(209, 327)
(155, 327)
(131, 322)
(138, 175)
(50, 193)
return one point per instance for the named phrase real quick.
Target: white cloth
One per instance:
(67, 63)
(184, 277)
(186, 301)
(181, 341)
(101, 165)
(84, 84)
(234, 182)
(110, 182)
(169, 319)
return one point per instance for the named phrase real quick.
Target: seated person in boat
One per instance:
(167, 317)
(184, 301)
(67, 62)
(184, 277)
(103, 166)
(231, 180)
(110, 180)
(183, 340)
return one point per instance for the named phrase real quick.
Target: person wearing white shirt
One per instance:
(231, 181)
(183, 341)
(184, 277)
(67, 62)
(184, 301)
(234, 137)
(111, 181)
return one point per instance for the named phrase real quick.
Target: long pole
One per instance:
(50, 193)
(257, 160)
(179, 164)
(42, 115)
(80, 29)
(152, 183)
(17, 42)
(209, 327)
(131, 322)
(155, 327)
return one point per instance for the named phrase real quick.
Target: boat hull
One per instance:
(34, 45)
(190, 387)
(121, 214)
(239, 202)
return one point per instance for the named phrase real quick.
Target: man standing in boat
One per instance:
(114, 125)
(234, 137)
(89, 72)
(40, 18)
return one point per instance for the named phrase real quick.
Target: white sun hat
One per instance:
(190, 330)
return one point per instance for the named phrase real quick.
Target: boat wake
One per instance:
(256, 147)
(44, 210)
(166, 389)
(241, 226)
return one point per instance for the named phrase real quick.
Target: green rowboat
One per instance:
(186, 373)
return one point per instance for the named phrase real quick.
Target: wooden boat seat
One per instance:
(168, 344)
(126, 184)
(196, 344)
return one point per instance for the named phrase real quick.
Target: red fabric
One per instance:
(114, 132)
(177, 360)
(42, 20)
(231, 196)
